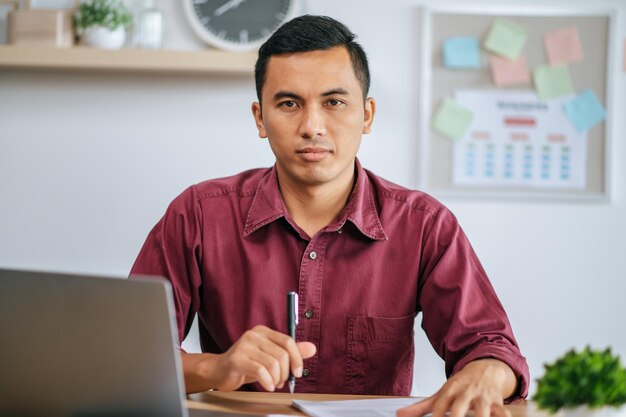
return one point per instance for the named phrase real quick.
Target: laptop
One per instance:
(88, 346)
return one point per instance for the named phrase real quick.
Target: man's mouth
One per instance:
(313, 153)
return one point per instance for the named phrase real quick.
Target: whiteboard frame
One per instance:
(613, 13)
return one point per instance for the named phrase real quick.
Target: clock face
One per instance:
(237, 25)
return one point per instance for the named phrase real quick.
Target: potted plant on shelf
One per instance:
(103, 23)
(584, 384)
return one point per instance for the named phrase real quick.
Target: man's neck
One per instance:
(313, 207)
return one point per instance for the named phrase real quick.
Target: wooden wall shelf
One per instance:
(128, 60)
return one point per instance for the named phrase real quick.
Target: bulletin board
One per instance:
(597, 33)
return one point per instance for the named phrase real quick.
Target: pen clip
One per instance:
(295, 307)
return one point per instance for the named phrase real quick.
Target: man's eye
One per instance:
(289, 104)
(333, 102)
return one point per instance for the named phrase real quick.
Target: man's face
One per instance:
(313, 115)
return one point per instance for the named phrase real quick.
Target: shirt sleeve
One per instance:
(462, 316)
(173, 250)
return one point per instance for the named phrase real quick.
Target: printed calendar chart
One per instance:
(517, 139)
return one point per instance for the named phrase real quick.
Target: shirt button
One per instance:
(308, 314)
(305, 372)
(340, 231)
(313, 255)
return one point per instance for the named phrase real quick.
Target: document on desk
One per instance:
(383, 407)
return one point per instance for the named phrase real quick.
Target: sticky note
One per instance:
(552, 82)
(584, 111)
(452, 120)
(460, 53)
(505, 38)
(563, 46)
(505, 72)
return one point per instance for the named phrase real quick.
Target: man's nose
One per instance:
(312, 123)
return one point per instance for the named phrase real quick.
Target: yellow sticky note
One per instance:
(505, 38)
(452, 120)
(551, 81)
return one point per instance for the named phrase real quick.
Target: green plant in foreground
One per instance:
(592, 378)
(108, 13)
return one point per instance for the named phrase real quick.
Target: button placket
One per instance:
(311, 277)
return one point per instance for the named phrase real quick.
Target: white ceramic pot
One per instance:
(584, 411)
(105, 38)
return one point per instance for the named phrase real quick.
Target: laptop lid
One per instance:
(88, 346)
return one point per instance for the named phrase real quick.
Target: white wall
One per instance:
(89, 162)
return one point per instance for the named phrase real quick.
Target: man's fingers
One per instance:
(273, 351)
(307, 349)
(481, 407)
(417, 409)
(259, 373)
(297, 351)
(477, 388)
(252, 365)
(460, 406)
(499, 410)
(271, 363)
(443, 402)
(282, 358)
(288, 345)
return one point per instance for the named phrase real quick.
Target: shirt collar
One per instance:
(268, 206)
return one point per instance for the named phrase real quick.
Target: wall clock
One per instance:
(238, 25)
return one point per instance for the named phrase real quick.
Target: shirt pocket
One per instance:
(379, 356)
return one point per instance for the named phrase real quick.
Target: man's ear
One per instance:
(258, 119)
(368, 119)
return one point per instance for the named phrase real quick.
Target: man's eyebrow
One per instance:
(286, 94)
(334, 91)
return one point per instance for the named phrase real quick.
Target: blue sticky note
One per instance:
(584, 111)
(461, 53)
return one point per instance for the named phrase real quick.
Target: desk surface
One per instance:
(280, 403)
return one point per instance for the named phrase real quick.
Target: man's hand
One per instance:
(260, 355)
(481, 386)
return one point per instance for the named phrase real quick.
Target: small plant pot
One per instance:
(584, 411)
(105, 38)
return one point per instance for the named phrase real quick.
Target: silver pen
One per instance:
(292, 323)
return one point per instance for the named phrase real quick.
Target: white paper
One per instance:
(517, 139)
(384, 407)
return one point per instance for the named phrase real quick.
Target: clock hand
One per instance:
(231, 4)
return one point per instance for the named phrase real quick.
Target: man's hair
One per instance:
(312, 33)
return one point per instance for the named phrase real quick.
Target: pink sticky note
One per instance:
(563, 46)
(505, 72)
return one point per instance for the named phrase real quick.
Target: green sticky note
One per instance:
(551, 81)
(452, 120)
(505, 38)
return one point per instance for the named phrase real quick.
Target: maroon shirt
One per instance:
(232, 252)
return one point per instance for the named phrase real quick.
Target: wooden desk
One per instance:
(280, 403)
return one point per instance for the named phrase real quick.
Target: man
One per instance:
(365, 255)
